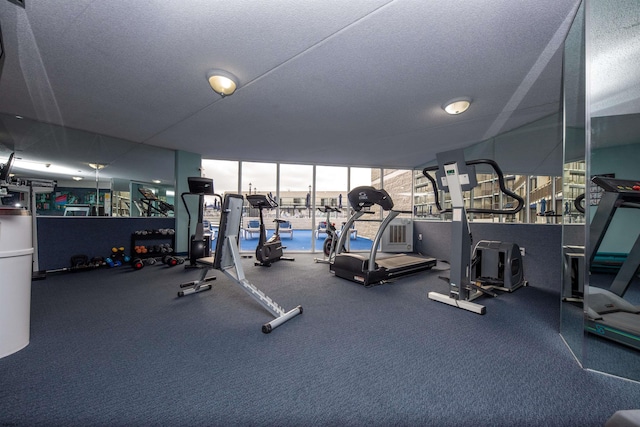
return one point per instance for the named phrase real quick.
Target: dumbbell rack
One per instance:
(154, 237)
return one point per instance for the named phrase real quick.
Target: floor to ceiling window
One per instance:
(294, 195)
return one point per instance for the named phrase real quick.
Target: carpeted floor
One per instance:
(117, 347)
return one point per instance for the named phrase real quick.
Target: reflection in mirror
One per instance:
(613, 317)
(573, 229)
(612, 294)
(76, 167)
(149, 200)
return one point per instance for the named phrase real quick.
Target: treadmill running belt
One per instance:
(401, 261)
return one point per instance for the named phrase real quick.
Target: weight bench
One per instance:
(227, 260)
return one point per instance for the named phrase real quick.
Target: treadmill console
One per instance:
(624, 186)
(367, 196)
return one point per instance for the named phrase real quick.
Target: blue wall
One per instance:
(60, 238)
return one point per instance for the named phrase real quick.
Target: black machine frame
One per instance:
(330, 244)
(268, 250)
(199, 243)
(372, 270)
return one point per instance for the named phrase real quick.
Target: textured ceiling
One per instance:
(357, 83)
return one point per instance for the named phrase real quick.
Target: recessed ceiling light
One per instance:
(457, 105)
(77, 178)
(156, 181)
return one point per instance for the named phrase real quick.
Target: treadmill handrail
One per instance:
(503, 188)
(373, 253)
(347, 226)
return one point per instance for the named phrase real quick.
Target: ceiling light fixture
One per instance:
(222, 82)
(457, 105)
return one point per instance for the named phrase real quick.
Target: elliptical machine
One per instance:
(331, 241)
(199, 243)
(270, 250)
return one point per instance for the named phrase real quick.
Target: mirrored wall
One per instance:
(573, 188)
(601, 287)
(74, 171)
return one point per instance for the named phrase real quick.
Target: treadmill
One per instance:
(609, 315)
(371, 270)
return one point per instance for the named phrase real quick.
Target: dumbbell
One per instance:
(169, 260)
(140, 249)
(113, 263)
(172, 261)
(139, 263)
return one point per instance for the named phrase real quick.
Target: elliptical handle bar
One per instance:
(503, 188)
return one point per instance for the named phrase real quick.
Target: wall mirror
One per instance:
(601, 287)
(573, 187)
(613, 44)
(108, 174)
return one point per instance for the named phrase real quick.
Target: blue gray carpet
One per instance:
(116, 347)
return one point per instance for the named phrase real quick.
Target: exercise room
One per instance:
(353, 214)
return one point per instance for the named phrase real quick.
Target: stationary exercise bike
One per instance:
(270, 250)
(331, 241)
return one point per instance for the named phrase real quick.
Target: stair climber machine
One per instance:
(199, 243)
(371, 270)
(227, 259)
(268, 250)
(609, 315)
(494, 265)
